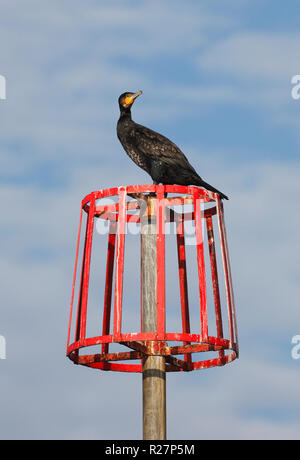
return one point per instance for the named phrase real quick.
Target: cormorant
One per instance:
(154, 153)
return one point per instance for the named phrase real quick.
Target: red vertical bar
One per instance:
(185, 316)
(226, 270)
(141, 271)
(86, 271)
(201, 266)
(214, 276)
(230, 278)
(79, 308)
(215, 281)
(74, 278)
(120, 264)
(230, 282)
(108, 282)
(160, 241)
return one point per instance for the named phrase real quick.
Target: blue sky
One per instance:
(216, 79)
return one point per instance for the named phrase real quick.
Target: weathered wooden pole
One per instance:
(154, 374)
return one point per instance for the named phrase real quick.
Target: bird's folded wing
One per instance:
(156, 146)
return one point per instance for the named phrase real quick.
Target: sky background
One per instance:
(216, 79)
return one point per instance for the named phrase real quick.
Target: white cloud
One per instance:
(64, 75)
(254, 56)
(255, 70)
(254, 393)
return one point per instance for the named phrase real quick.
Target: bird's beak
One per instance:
(130, 99)
(135, 95)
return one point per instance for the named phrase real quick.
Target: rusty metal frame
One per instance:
(155, 343)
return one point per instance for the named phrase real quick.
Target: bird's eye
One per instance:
(128, 100)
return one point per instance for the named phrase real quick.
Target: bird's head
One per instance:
(127, 99)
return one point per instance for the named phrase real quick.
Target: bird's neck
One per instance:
(125, 114)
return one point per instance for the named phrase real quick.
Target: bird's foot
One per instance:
(153, 194)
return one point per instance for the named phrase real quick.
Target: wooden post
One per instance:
(154, 374)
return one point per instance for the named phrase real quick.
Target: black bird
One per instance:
(154, 153)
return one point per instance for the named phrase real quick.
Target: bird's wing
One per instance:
(157, 146)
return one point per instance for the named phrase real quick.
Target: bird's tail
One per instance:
(201, 183)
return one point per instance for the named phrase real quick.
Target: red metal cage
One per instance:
(199, 207)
